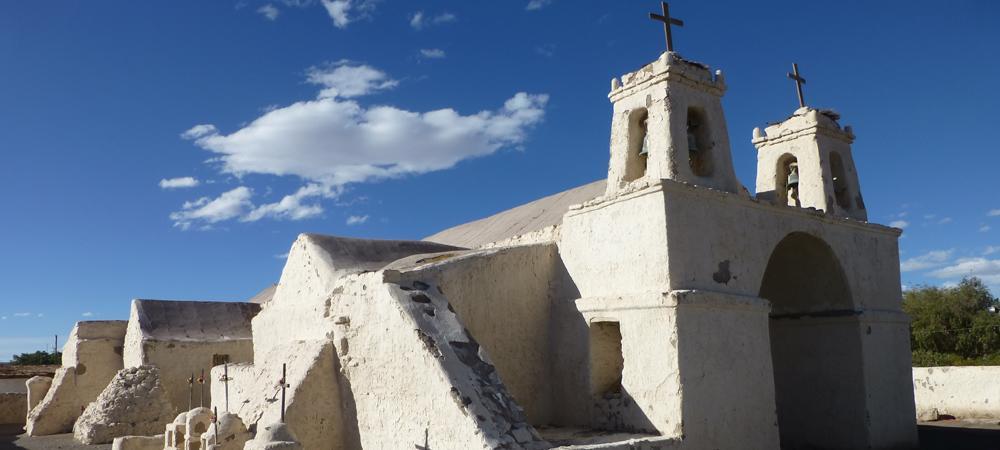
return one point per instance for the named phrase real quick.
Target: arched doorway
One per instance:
(815, 347)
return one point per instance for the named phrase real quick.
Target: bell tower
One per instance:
(806, 161)
(668, 124)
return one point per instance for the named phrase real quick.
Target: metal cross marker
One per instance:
(667, 22)
(426, 446)
(799, 81)
(191, 392)
(201, 381)
(215, 421)
(283, 383)
(225, 380)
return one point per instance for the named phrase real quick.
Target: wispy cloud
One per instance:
(22, 314)
(899, 224)
(990, 249)
(343, 12)
(928, 260)
(419, 20)
(177, 183)
(994, 213)
(357, 220)
(87, 314)
(985, 228)
(344, 80)
(986, 269)
(333, 141)
(269, 11)
(534, 5)
(432, 53)
(228, 205)
(281, 256)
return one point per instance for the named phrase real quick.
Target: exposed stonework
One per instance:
(133, 404)
(91, 357)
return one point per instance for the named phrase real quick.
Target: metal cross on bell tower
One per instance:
(799, 81)
(667, 22)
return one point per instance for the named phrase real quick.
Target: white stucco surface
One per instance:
(92, 355)
(963, 392)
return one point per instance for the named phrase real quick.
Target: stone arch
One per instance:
(638, 132)
(815, 335)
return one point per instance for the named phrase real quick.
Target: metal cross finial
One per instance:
(799, 81)
(667, 22)
(191, 392)
(284, 384)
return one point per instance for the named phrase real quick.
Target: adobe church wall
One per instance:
(963, 392)
(12, 407)
(178, 360)
(722, 242)
(91, 357)
(503, 297)
(617, 247)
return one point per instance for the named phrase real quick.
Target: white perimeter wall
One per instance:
(963, 392)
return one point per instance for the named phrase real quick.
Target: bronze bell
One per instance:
(793, 176)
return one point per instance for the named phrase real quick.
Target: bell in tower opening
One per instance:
(643, 128)
(792, 184)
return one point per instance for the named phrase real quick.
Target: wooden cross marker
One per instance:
(667, 22)
(799, 81)
(284, 384)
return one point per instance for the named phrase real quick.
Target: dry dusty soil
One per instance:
(942, 435)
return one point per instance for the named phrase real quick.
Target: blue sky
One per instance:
(175, 149)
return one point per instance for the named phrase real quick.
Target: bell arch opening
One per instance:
(638, 144)
(699, 143)
(787, 180)
(815, 334)
(840, 188)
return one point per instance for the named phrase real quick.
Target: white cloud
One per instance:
(432, 53)
(420, 21)
(537, 4)
(198, 131)
(357, 220)
(229, 205)
(269, 12)
(22, 314)
(989, 250)
(986, 269)
(343, 12)
(291, 206)
(985, 228)
(928, 260)
(41, 315)
(332, 141)
(177, 183)
(899, 224)
(944, 221)
(993, 213)
(88, 314)
(281, 256)
(342, 80)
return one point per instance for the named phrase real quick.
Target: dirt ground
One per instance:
(942, 435)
